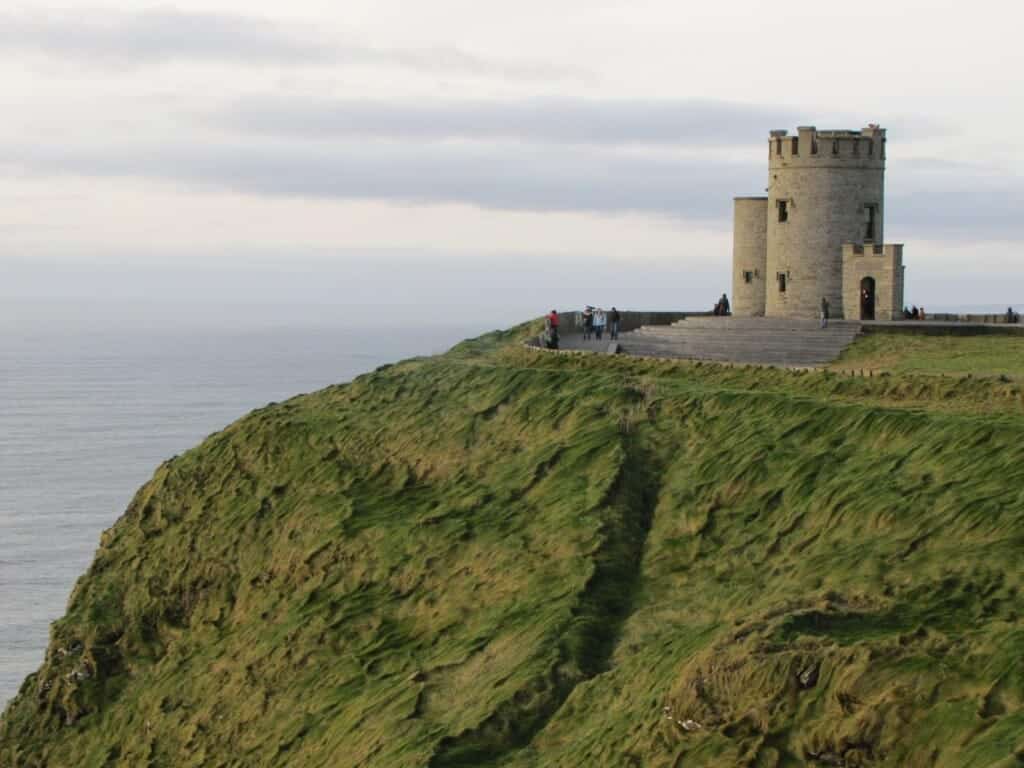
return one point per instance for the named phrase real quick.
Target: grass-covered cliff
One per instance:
(500, 557)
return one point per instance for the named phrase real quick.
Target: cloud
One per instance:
(957, 207)
(506, 175)
(564, 121)
(155, 35)
(114, 38)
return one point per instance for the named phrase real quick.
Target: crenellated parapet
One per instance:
(812, 148)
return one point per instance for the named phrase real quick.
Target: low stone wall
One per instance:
(935, 326)
(952, 318)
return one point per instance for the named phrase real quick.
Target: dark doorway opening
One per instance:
(867, 298)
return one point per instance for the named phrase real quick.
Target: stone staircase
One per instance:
(749, 340)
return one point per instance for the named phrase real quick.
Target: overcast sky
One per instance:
(483, 156)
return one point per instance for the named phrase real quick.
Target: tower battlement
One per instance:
(887, 250)
(809, 146)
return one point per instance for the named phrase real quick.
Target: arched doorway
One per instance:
(867, 298)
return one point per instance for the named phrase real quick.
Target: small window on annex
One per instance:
(781, 277)
(783, 210)
(748, 276)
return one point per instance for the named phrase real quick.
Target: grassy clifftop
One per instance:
(499, 557)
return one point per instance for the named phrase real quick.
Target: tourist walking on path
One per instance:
(824, 312)
(600, 320)
(613, 324)
(588, 322)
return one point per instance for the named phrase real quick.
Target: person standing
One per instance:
(824, 312)
(614, 319)
(588, 322)
(600, 320)
(551, 321)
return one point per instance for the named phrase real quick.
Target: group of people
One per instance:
(914, 313)
(722, 307)
(595, 320)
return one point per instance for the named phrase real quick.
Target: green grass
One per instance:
(500, 557)
(988, 355)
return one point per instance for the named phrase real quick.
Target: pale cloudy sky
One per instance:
(474, 155)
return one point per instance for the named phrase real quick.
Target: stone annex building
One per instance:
(818, 233)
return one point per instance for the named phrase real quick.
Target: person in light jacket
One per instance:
(600, 320)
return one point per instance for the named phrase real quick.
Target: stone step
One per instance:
(737, 352)
(757, 322)
(760, 357)
(762, 341)
(819, 336)
(740, 343)
(627, 343)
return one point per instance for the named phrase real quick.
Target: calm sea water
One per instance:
(85, 418)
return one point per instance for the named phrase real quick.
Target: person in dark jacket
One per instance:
(614, 319)
(824, 312)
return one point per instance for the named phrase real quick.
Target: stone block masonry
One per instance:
(873, 274)
(749, 269)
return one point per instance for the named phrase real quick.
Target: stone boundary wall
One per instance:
(939, 327)
(947, 317)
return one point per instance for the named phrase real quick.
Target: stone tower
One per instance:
(825, 191)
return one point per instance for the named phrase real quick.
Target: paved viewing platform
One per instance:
(788, 342)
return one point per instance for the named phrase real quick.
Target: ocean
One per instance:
(87, 415)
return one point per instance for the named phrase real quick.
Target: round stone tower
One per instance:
(749, 254)
(825, 188)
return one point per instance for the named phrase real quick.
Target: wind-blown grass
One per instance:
(510, 558)
(983, 355)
